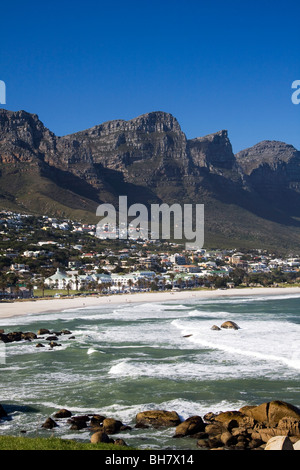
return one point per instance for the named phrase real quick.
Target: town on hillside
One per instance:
(44, 256)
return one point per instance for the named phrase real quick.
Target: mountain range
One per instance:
(251, 199)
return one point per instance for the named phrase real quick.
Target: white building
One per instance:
(59, 280)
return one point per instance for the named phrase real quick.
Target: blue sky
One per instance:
(213, 65)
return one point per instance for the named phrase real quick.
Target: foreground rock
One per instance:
(271, 413)
(297, 445)
(100, 436)
(279, 443)
(157, 418)
(190, 426)
(252, 427)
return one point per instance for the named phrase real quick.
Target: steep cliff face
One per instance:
(122, 145)
(149, 159)
(23, 137)
(213, 151)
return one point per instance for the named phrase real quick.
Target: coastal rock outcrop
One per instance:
(228, 430)
(158, 418)
(190, 426)
(271, 413)
(297, 445)
(279, 443)
(252, 427)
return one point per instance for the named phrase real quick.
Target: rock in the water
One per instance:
(29, 335)
(158, 418)
(15, 336)
(230, 325)
(3, 413)
(43, 331)
(111, 426)
(4, 338)
(77, 425)
(63, 413)
(53, 344)
(190, 426)
(97, 420)
(49, 424)
(279, 443)
(216, 328)
(52, 338)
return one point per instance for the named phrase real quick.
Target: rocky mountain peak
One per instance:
(267, 152)
(23, 137)
(213, 150)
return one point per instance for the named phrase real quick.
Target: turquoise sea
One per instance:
(128, 358)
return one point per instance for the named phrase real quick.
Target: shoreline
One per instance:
(38, 306)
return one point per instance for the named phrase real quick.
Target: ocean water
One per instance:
(133, 357)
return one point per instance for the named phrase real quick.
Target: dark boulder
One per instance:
(29, 336)
(3, 413)
(190, 426)
(49, 424)
(43, 331)
(4, 338)
(63, 413)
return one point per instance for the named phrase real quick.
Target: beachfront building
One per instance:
(59, 280)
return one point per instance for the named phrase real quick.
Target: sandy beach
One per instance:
(31, 307)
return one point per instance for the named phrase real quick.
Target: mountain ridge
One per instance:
(150, 159)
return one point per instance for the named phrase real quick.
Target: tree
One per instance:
(42, 285)
(68, 286)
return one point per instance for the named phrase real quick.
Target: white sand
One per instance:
(18, 308)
